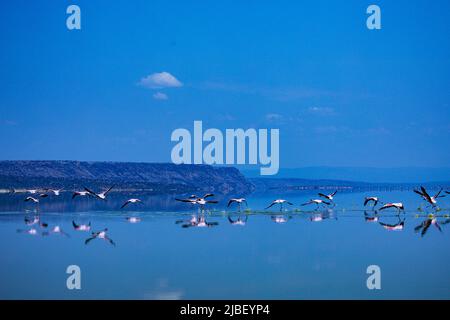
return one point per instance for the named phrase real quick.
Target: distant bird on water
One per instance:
(101, 195)
(239, 201)
(130, 201)
(280, 202)
(432, 200)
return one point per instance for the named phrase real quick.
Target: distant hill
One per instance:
(158, 177)
(367, 174)
(296, 184)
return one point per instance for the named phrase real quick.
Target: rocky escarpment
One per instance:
(158, 177)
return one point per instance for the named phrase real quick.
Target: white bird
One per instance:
(31, 199)
(432, 200)
(369, 199)
(239, 201)
(56, 192)
(80, 193)
(199, 201)
(327, 196)
(100, 235)
(317, 202)
(130, 201)
(32, 191)
(280, 202)
(101, 195)
(81, 227)
(398, 205)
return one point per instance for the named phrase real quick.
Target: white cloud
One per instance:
(160, 80)
(321, 111)
(274, 117)
(160, 96)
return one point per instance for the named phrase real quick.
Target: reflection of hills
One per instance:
(153, 177)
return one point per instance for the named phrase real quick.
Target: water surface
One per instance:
(313, 255)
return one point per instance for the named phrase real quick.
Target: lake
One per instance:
(296, 254)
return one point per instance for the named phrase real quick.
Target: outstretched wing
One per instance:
(124, 205)
(437, 194)
(89, 240)
(90, 191)
(322, 195)
(185, 200)
(106, 192)
(425, 194)
(270, 205)
(208, 195)
(110, 241)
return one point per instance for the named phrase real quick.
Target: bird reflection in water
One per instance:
(36, 220)
(320, 216)
(399, 226)
(280, 219)
(198, 221)
(371, 216)
(425, 225)
(239, 221)
(100, 235)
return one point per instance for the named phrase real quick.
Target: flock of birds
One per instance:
(199, 220)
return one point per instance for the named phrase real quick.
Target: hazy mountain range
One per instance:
(363, 174)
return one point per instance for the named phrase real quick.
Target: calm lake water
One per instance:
(313, 255)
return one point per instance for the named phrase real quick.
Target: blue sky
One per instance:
(340, 94)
